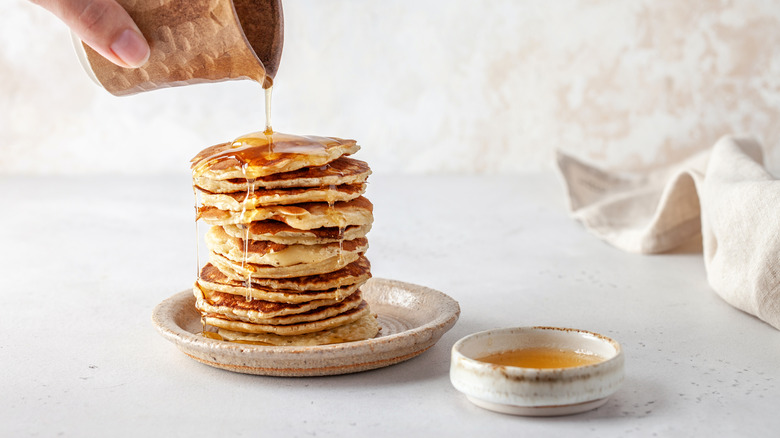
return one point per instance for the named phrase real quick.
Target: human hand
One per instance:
(105, 26)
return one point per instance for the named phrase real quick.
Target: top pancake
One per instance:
(258, 155)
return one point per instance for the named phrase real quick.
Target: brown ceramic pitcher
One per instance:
(195, 41)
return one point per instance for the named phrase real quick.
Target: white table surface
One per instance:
(85, 260)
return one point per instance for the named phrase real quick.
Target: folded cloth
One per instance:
(724, 194)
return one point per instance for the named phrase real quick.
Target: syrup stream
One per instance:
(268, 129)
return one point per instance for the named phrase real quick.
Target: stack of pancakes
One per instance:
(286, 240)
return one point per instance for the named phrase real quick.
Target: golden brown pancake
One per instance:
(238, 270)
(343, 170)
(279, 232)
(291, 329)
(249, 200)
(234, 307)
(305, 216)
(216, 302)
(257, 292)
(354, 273)
(242, 159)
(262, 252)
(366, 327)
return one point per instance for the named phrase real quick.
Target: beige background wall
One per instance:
(424, 86)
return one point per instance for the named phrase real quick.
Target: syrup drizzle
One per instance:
(337, 216)
(245, 261)
(267, 83)
(197, 234)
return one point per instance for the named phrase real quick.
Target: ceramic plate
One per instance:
(412, 317)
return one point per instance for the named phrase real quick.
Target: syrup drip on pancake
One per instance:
(250, 191)
(197, 234)
(203, 331)
(261, 149)
(341, 224)
(270, 152)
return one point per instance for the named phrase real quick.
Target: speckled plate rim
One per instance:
(438, 314)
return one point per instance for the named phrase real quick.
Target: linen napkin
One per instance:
(723, 194)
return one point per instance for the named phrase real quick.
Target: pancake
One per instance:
(240, 201)
(278, 295)
(279, 232)
(343, 170)
(237, 308)
(251, 159)
(366, 327)
(215, 302)
(355, 273)
(305, 216)
(359, 270)
(276, 254)
(291, 329)
(240, 271)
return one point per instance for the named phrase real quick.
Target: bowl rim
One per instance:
(540, 372)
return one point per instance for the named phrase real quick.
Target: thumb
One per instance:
(105, 26)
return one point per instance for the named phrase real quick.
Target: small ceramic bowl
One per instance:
(536, 391)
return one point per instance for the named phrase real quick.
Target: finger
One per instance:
(105, 26)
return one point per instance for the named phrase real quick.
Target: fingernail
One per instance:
(131, 48)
